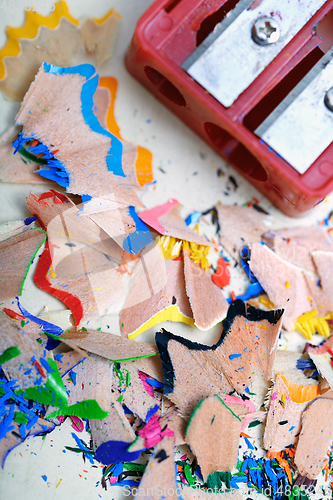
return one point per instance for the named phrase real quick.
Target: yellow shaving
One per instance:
(171, 313)
(29, 30)
(300, 393)
(264, 300)
(309, 324)
(172, 247)
(198, 253)
(104, 18)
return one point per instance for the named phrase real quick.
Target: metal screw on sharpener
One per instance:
(329, 99)
(265, 31)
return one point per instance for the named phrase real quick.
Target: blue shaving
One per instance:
(154, 383)
(115, 451)
(304, 364)
(30, 220)
(140, 238)
(194, 217)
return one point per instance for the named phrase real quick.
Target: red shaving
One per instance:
(60, 196)
(233, 296)
(50, 194)
(40, 155)
(40, 278)
(14, 315)
(34, 143)
(221, 277)
(55, 151)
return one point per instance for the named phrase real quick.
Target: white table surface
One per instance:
(189, 175)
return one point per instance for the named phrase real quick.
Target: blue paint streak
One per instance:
(154, 383)
(72, 375)
(233, 356)
(48, 327)
(151, 412)
(140, 238)
(114, 157)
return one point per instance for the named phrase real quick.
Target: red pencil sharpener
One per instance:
(254, 79)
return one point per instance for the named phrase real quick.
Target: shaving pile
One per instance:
(246, 415)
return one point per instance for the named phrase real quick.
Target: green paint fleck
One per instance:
(254, 423)
(22, 323)
(53, 392)
(8, 354)
(13, 263)
(39, 341)
(84, 329)
(20, 417)
(88, 408)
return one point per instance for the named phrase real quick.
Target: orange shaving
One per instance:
(301, 393)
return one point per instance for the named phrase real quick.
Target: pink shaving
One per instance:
(61, 418)
(77, 423)
(151, 216)
(152, 432)
(148, 388)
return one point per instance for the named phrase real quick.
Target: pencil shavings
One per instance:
(109, 346)
(322, 357)
(159, 477)
(89, 165)
(240, 226)
(315, 438)
(157, 294)
(194, 371)
(16, 255)
(24, 367)
(287, 404)
(207, 302)
(213, 435)
(79, 265)
(297, 244)
(133, 393)
(284, 283)
(166, 220)
(56, 39)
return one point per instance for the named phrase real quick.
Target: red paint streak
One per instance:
(14, 315)
(40, 155)
(39, 368)
(40, 278)
(221, 277)
(233, 296)
(34, 143)
(55, 151)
